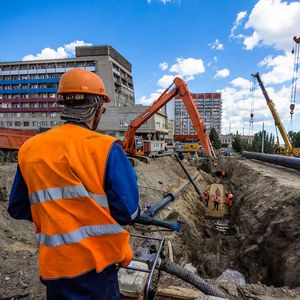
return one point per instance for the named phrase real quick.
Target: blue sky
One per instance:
(213, 45)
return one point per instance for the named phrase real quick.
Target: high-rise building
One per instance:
(209, 106)
(28, 88)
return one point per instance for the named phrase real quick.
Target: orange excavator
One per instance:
(133, 145)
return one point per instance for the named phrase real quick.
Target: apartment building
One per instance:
(28, 88)
(209, 106)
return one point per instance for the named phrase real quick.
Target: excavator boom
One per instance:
(180, 89)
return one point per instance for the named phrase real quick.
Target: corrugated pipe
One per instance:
(188, 276)
(286, 161)
(153, 210)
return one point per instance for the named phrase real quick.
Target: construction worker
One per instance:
(226, 198)
(216, 201)
(206, 198)
(77, 187)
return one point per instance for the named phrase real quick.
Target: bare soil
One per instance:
(261, 241)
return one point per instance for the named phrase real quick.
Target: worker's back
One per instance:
(64, 169)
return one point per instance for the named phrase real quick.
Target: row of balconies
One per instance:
(30, 109)
(41, 71)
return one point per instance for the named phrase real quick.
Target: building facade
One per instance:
(209, 106)
(226, 139)
(117, 119)
(28, 88)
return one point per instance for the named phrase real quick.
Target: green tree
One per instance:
(215, 140)
(269, 143)
(237, 143)
(295, 138)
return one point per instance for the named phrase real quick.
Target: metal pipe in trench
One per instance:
(187, 174)
(286, 161)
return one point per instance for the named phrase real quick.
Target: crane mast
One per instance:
(271, 105)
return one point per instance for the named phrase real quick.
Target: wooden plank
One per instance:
(176, 292)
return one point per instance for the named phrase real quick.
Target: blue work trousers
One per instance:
(90, 286)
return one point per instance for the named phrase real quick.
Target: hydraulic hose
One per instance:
(146, 220)
(188, 276)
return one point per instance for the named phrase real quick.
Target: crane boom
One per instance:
(182, 90)
(271, 105)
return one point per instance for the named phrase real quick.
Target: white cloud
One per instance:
(251, 41)
(237, 103)
(188, 67)
(48, 53)
(274, 23)
(222, 73)
(239, 17)
(280, 68)
(216, 45)
(215, 59)
(66, 51)
(165, 81)
(163, 66)
(149, 100)
(70, 48)
(185, 68)
(240, 82)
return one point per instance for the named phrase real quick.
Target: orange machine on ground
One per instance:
(11, 140)
(133, 145)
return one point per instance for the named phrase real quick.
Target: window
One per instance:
(18, 123)
(26, 123)
(9, 123)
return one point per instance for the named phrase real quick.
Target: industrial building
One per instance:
(28, 88)
(117, 119)
(209, 106)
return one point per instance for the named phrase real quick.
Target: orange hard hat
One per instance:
(80, 81)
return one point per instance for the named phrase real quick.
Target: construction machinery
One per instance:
(132, 144)
(288, 147)
(296, 52)
(11, 140)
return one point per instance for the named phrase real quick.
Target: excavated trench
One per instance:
(259, 237)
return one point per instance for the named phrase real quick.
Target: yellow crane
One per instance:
(288, 149)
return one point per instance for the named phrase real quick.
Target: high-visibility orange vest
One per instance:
(64, 170)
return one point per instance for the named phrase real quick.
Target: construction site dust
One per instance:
(258, 236)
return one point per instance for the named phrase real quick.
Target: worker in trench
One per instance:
(206, 198)
(78, 188)
(217, 198)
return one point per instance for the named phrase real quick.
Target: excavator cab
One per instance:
(139, 145)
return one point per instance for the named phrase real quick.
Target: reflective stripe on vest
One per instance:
(77, 235)
(66, 192)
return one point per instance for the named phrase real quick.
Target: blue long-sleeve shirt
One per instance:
(120, 186)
